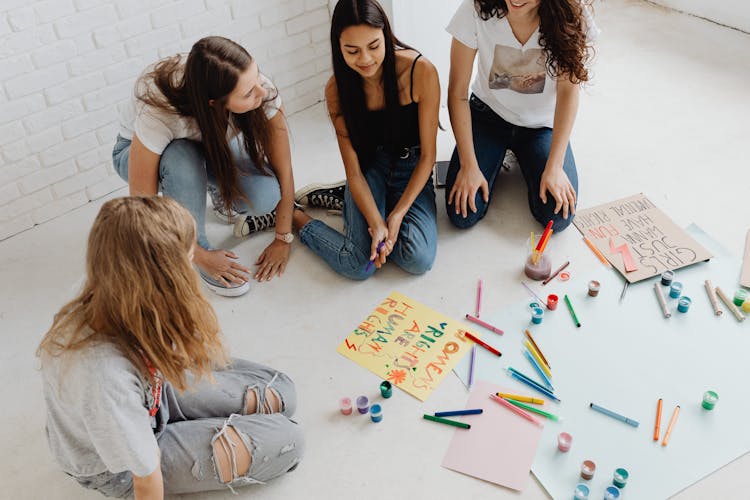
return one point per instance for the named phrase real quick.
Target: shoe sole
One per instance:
(301, 195)
(228, 292)
(239, 225)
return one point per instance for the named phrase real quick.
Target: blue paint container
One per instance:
(675, 290)
(581, 492)
(386, 390)
(684, 304)
(376, 413)
(536, 315)
(612, 493)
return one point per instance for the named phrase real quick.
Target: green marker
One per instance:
(454, 423)
(572, 312)
(532, 409)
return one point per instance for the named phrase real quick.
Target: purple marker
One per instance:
(372, 262)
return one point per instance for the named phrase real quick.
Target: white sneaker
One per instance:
(218, 209)
(218, 288)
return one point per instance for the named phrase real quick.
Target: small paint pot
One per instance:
(552, 301)
(345, 406)
(612, 493)
(376, 413)
(675, 290)
(363, 404)
(588, 467)
(620, 478)
(536, 315)
(535, 305)
(710, 398)
(564, 441)
(594, 287)
(740, 296)
(581, 492)
(564, 276)
(684, 304)
(746, 306)
(386, 389)
(667, 277)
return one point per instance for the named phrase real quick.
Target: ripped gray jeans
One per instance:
(189, 423)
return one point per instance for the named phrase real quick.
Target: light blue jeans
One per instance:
(348, 254)
(185, 176)
(188, 423)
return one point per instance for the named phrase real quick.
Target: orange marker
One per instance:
(597, 252)
(671, 424)
(658, 420)
(539, 351)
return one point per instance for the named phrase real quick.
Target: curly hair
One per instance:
(562, 34)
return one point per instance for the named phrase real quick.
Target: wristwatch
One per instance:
(285, 237)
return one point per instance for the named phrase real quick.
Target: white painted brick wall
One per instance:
(67, 65)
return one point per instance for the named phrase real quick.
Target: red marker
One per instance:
(486, 346)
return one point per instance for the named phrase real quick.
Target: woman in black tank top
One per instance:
(383, 100)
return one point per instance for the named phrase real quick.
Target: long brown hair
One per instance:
(141, 293)
(211, 71)
(562, 34)
(351, 93)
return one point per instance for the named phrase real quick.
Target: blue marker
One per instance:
(372, 262)
(526, 380)
(538, 369)
(614, 415)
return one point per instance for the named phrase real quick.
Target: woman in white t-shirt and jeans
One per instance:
(211, 121)
(532, 60)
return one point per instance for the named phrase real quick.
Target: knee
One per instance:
(355, 267)
(558, 222)
(277, 396)
(417, 259)
(461, 222)
(183, 158)
(358, 272)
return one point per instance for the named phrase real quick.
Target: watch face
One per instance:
(286, 237)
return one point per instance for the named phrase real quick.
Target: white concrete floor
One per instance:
(666, 115)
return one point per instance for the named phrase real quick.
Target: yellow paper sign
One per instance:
(408, 344)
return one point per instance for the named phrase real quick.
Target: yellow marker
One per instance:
(538, 358)
(518, 397)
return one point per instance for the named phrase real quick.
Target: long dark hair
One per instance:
(211, 73)
(351, 93)
(562, 34)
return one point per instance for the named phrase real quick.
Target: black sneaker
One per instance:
(329, 196)
(249, 224)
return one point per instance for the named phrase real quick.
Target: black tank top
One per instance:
(404, 133)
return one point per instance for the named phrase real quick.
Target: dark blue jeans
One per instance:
(493, 136)
(348, 254)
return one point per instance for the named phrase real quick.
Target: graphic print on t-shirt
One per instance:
(520, 71)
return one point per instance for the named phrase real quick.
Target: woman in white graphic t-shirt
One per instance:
(532, 61)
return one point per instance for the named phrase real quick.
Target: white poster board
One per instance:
(625, 357)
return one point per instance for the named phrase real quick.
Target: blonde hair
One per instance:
(141, 293)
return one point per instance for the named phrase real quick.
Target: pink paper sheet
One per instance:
(499, 447)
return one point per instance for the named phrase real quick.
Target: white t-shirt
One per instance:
(511, 78)
(156, 128)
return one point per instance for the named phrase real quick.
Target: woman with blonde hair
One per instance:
(150, 403)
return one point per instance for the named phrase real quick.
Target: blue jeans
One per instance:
(188, 423)
(493, 136)
(348, 254)
(185, 176)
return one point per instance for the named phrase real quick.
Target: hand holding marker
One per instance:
(377, 251)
